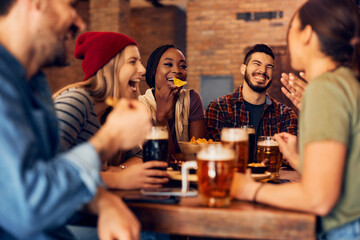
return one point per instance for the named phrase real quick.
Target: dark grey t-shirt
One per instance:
(256, 112)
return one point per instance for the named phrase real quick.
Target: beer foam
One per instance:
(249, 128)
(234, 134)
(268, 143)
(157, 134)
(216, 153)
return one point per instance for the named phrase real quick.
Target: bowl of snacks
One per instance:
(257, 167)
(189, 149)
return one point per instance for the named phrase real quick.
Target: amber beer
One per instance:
(156, 147)
(237, 139)
(268, 153)
(215, 165)
(252, 143)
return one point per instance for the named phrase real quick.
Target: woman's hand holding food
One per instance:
(165, 100)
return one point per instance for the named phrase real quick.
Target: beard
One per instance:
(258, 89)
(58, 56)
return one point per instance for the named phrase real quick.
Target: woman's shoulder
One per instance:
(340, 81)
(196, 106)
(194, 95)
(75, 93)
(339, 76)
(77, 97)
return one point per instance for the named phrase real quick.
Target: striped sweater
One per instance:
(77, 119)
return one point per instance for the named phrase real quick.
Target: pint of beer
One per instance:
(156, 145)
(237, 139)
(252, 142)
(215, 172)
(268, 153)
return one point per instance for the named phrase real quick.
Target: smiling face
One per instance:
(130, 72)
(258, 72)
(59, 22)
(172, 64)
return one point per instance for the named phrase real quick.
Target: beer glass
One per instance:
(268, 153)
(156, 146)
(252, 142)
(237, 139)
(215, 173)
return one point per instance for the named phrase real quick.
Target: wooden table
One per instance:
(242, 220)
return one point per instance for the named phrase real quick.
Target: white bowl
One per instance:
(190, 149)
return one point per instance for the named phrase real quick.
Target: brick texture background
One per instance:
(210, 34)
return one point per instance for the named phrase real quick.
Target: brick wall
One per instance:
(216, 39)
(110, 15)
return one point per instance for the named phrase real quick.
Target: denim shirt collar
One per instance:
(12, 63)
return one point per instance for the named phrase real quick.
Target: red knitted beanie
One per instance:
(97, 48)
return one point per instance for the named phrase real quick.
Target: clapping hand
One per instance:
(294, 87)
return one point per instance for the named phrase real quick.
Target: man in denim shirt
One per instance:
(41, 187)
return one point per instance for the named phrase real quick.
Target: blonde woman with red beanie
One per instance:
(112, 66)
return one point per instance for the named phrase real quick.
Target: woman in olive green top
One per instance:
(323, 41)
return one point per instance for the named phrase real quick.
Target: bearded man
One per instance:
(250, 104)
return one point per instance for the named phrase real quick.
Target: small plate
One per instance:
(260, 176)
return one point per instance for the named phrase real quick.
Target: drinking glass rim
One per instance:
(267, 139)
(235, 134)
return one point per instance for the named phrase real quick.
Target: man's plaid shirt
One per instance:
(230, 111)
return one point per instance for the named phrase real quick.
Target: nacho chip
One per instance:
(178, 82)
(111, 101)
(200, 140)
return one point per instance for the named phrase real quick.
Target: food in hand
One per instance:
(178, 82)
(111, 101)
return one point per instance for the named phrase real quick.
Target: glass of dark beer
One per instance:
(156, 147)
(215, 170)
(237, 139)
(252, 142)
(268, 152)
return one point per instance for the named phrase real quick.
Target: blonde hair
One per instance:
(105, 83)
